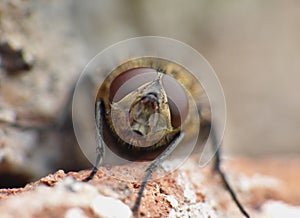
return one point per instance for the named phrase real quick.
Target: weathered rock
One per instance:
(188, 192)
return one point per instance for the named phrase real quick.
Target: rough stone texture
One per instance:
(59, 37)
(45, 34)
(187, 192)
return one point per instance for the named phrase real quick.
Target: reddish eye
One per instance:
(119, 87)
(178, 100)
(124, 83)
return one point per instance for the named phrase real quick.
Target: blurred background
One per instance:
(254, 47)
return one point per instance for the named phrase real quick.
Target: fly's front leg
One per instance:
(153, 166)
(99, 114)
(217, 168)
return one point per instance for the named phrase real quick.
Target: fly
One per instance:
(143, 112)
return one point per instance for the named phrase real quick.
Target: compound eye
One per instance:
(124, 83)
(132, 79)
(177, 99)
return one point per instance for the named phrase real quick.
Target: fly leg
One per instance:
(217, 168)
(99, 114)
(153, 166)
